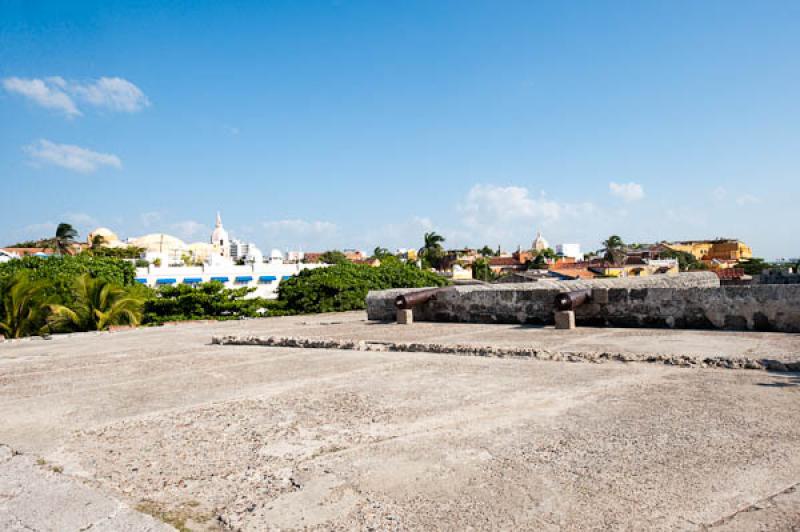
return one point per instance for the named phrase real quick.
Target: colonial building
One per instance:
(722, 249)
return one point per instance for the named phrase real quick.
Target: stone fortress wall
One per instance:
(686, 300)
(777, 277)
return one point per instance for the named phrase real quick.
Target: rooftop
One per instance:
(162, 420)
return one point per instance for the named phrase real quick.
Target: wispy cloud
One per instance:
(80, 219)
(71, 157)
(504, 213)
(149, 218)
(114, 94)
(189, 229)
(748, 199)
(627, 191)
(48, 95)
(304, 234)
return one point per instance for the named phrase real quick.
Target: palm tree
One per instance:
(613, 248)
(65, 238)
(432, 251)
(98, 304)
(24, 306)
(380, 253)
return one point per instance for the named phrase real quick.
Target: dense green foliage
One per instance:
(59, 273)
(754, 266)
(686, 261)
(333, 257)
(207, 301)
(98, 304)
(24, 306)
(345, 286)
(481, 270)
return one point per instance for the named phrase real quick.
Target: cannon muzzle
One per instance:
(572, 300)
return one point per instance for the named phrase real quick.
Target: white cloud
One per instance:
(70, 156)
(511, 214)
(300, 234)
(188, 229)
(748, 199)
(627, 191)
(41, 230)
(719, 193)
(496, 203)
(115, 94)
(80, 219)
(149, 218)
(48, 95)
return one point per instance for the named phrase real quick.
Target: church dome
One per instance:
(219, 236)
(159, 243)
(540, 243)
(108, 235)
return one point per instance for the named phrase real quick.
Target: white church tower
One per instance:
(220, 240)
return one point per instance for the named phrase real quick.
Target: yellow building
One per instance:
(708, 250)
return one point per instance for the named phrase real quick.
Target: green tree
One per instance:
(381, 253)
(753, 266)
(486, 251)
(686, 261)
(59, 272)
(96, 305)
(207, 301)
(65, 238)
(333, 256)
(614, 249)
(482, 271)
(345, 286)
(24, 306)
(432, 253)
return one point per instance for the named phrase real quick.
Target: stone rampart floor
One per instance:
(219, 436)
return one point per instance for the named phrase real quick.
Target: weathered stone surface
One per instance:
(405, 316)
(758, 307)
(565, 319)
(318, 439)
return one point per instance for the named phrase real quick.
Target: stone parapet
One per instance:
(693, 302)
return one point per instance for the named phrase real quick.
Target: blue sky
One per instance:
(318, 125)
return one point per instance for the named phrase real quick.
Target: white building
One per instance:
(6, 256)
(244, 251)
(264, 277)
(570, 250)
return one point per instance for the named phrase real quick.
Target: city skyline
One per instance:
(356, 125)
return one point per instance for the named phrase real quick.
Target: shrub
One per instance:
(207, 301)
(59, 272)
(344, 286)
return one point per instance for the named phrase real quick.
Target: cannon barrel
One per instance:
(572, 300)
(412, 299)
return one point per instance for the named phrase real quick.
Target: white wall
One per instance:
(152, 274)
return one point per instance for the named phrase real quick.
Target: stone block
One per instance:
(405, 316)
(565, 319)
(600, 296)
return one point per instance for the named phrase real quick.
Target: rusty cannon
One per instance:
(572, 300)
(405, 303)
(565, 305)
(412, 299)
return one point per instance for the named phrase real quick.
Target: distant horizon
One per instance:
(82, 238)
(350, 124)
